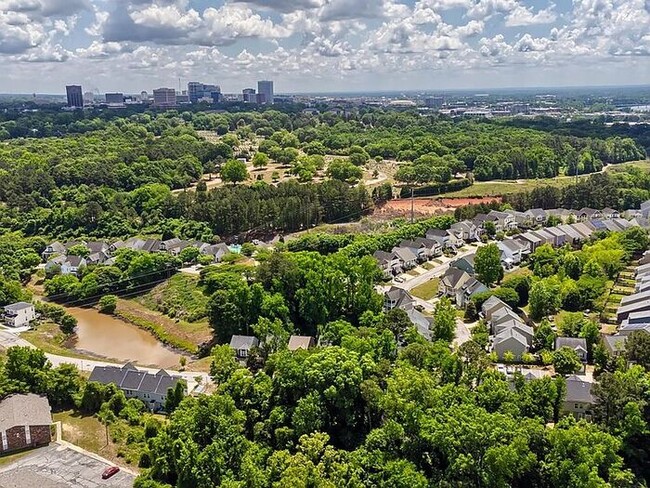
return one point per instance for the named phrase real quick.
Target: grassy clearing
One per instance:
(428, 290)
(498, 188)
(524, 271)
(180, 297)
(50, 339)
(123, 444)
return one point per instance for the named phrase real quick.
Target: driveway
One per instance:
(57, 466)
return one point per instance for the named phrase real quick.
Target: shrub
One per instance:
(107, 304)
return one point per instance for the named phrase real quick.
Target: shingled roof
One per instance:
(128, 377)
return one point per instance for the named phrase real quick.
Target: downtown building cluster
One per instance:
(197, 92)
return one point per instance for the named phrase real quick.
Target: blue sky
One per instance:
(322, 45)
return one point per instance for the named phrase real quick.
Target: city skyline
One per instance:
(309, 46)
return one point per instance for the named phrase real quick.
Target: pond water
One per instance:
(106, 336)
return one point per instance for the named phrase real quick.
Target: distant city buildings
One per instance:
(115, 98)
(265, 92)
(75, 96)
(164, 98)
(250, 95)
(200, 92)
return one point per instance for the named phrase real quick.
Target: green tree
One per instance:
(261, 160)
(544, 298)
(444, 321)
(637, 349)
(544, 336)
(68, 324)
(566, 361)
(223, 363)
(488, 264)
(234, 171)
(175, 396)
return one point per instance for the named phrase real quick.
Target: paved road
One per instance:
(9, 339)
(435, 272)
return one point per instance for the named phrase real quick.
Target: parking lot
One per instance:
(56, 466)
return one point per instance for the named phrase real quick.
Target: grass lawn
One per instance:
(498, 188)
(412, 272)
(506, 187)
(426, 291)
(524, 271)
(50, 339)
(427, 266)
(181, 334)
(87, 432)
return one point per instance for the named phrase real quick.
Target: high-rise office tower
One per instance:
(115, 98)
(249, 95)
(196, 91)
(164, 97)
(265, 92)
(75, 96)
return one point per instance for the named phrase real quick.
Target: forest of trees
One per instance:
(111, 176)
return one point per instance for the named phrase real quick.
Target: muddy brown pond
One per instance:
(104, 335)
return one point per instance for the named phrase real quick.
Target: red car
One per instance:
(110, 471)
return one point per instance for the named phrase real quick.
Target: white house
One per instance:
(19, 314)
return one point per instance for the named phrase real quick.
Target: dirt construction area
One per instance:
(424, 207)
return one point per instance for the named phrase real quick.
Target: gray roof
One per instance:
(636, 297)
(427, 242)
(19, 410)
(437, 233)
(75, 261)
(492, 302)
(512, 244)
(96, 246)
(405, 254)
(383, 256)
(529, 237)
(578, 389)
(130, 378)
(508, 333)
(570, 231)
(15, 307)
(243, 342)
(454, 276)
(571, 342)
(537, 212)
(614, 342)
(400, 296)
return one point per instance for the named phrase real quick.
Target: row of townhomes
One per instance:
(459, 282)
(633, 313)
(57, 254)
